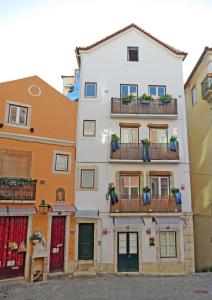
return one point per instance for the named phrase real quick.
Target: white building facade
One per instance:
(151, 233)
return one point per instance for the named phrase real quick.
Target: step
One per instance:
(84, 273)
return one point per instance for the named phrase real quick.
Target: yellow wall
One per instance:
(199, 119)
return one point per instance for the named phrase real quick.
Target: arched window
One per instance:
(60, 195)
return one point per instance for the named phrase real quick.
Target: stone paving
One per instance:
(112, 287)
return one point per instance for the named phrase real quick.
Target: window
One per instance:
(129, 135)
(90, 89)
(130, 186)
(129, 89)
(160, 186)
(168, 244)
(193, 95)
(60, 195)
(62, 162)
(158, 135)
(89, 128)
(87, 178)
(132, 53)
(17, 115)
(157, 90)
(15, 163)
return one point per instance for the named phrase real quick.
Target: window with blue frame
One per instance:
(90, 89)
(129, 89)
(157, 90)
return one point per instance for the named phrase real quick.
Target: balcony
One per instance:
(13, 191)
(135, 204)
(158, 152)
(206, 88)
(156, 108)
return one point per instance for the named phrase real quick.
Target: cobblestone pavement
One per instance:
(109, 287)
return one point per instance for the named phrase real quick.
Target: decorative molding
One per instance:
(36, 139)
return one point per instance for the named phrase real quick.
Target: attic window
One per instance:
(132, 53)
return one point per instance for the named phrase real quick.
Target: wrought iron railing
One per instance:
(135, 204)
(26, 191)
(135, 151)
(137, 106)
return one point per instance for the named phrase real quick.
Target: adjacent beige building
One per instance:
(198, 95)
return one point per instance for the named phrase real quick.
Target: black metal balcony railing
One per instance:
(18, 192)
(159, 151)
(137, 106)
(135, 204)
(206, 86)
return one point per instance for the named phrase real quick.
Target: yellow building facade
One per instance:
(198, 95)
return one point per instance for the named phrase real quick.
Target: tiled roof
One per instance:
(172, 49)
(197, 65)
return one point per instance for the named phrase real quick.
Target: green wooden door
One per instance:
(128, 252)
(86, 241)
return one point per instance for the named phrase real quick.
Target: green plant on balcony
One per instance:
(111, 194)
(146, 150)
(173, 143)
(10, 181)
(114, 142)
(146, 194)
(165, 98)
(127, 98)
(145, 98)
(177, 194)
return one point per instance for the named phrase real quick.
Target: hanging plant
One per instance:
(15, 181)
(111, 194)
(177, 194)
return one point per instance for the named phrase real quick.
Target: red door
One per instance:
(57, 244)
(13, 233)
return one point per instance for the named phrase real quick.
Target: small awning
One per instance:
(125, 222)
(63, 208)
(17, 210)
(169, 221)
(87, 214)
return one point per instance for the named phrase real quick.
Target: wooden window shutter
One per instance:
(130, 125)
(159, 126)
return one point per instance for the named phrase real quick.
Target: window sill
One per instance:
(61, 172)
(17, 125)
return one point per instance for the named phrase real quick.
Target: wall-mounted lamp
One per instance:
(43, 207)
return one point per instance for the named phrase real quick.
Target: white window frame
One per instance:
(128, 90)
(157, 87)
(167, 245)
(19, 105)
(55, 154)
(159, 183)
(129, 187)
(81, 177)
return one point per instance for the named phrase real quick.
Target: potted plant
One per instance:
(127, 98)
(147, 195)
(145, 99)
(114, 142)
(146, 150)
(177, 194)
(173, 143)
(165, 98)
(111, 193)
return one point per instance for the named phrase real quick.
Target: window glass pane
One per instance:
(155, 186)
(12, 114)
(172, 251)
(129, 135)
(133, 53)
(122, 243)
(164, 186)
(167, 244)
(89, 128)
(133, 90)
(158, 135)
(152, 90)
(161, 91)
(23, 115)
(163, 252)
(90, 90)
(124, 90)
(61, 162)
(193, 95)
(133, 243)
(87, 178)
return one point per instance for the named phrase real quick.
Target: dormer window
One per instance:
(132, 53)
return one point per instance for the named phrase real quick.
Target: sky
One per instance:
(38, 37)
